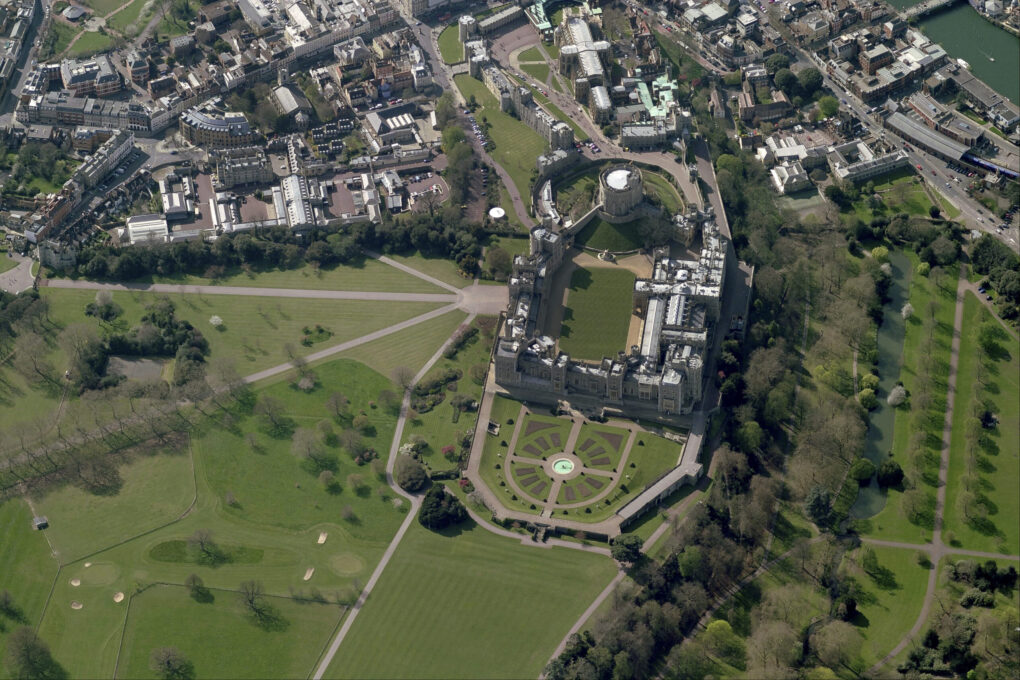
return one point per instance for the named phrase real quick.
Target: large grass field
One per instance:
(598, 311)
(255, 329)
(26, 569)
(468, 605)
(219, 639)
(892, 523)
(994, 476)
(368, 275)
(450, 47)
(411, 347)
(154, 490)
(516, 146)
(265, 508)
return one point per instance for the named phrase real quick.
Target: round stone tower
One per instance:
(621, 192)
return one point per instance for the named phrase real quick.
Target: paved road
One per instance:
(443, 74)
(18, 279)
(252, 291)
(475, 299)
(8, 99)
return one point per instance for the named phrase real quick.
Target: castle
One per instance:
(679, 305)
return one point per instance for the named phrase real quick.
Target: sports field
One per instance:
(467, 605)
(516, 146)
(218, 637)
(597, 313)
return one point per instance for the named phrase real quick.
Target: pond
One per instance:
(879, 440)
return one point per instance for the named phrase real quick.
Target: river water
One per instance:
(965, 34)
(879, 440)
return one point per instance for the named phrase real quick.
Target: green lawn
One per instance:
(6, 263)
(102, 7)
(170, 26)
(598, 312)
(438, 268)
(269, 532)
(516, 146)
(539, 72)
(649, 462)
(531, 54)
(61, 35)
(596, 434)
(220, 639)
(153, 491)
(255, 329)
(368, 275)
(493, 451)
(998, 456)
(90, 43)
(438, 426)
(469, 604)
(891, 523)
(450, 47)
(896, 596)
(26, 569)
(127, 20)
(514, 246)
(604, 235)
(507, 204)
(411, 347)
(667, 194)
(901, 192)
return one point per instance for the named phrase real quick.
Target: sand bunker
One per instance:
(118, 597)
(88, 564)
(76, 582)
(322, 537)
(308, 574)
(76, 605)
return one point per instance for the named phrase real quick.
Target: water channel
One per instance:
(879, 440)
(993, 53)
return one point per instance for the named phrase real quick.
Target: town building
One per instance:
(107, 157)
(210, 126)
(96, 76)
(240, 166)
